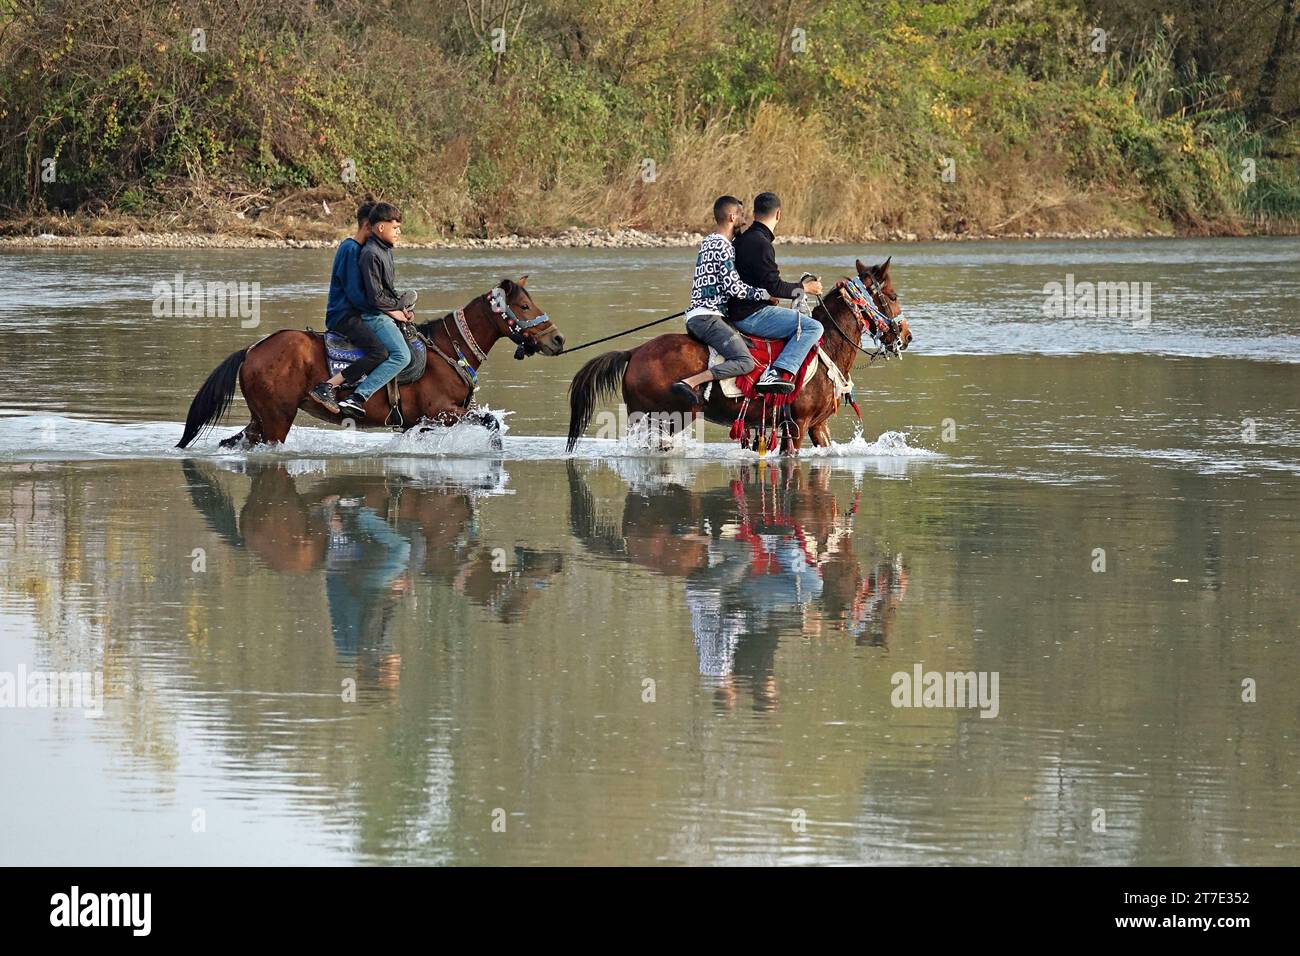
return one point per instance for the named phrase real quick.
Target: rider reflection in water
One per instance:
(768, 555)
(755, 570)
(367, 571)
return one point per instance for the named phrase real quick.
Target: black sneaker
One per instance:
(687, 393)
(323, 394)
(353, 407)
(775, 381)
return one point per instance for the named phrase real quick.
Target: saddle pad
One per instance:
(731, 386)
(340, 353)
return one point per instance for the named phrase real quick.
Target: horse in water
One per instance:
(276, 372)
(645, 374)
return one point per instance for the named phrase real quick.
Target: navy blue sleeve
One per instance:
(353, 290)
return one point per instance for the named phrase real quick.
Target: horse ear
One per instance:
(863, 270)
(507, 286)
(884, 267)
(523, 281)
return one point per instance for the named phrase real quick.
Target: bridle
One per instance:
(516, 329)
(866, 301)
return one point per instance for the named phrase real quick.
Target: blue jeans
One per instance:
(399, 354)
(774, 322)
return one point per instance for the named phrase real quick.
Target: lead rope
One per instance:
(638, 328)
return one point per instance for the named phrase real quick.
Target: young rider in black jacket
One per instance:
(756, 264)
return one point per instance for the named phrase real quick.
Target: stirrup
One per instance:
(394, 407)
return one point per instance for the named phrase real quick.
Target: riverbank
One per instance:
(568, 239)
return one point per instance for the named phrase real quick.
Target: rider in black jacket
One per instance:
(756, 264)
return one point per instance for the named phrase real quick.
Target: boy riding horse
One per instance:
(364, 307)
(747, 276)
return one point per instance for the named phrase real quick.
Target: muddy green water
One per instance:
(361, 648)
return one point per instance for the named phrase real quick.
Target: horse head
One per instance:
(518, 317)
(897, 334)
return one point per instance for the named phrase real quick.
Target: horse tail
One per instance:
(603, 375)
(213, 398)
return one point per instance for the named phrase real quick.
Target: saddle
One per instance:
(340, 353)
(765, 352)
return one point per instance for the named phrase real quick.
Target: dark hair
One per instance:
(765, 204)
(722, 205)
(384, 212)
(363, 212)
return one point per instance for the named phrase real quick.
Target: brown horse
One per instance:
(646, 373)
(276, 372)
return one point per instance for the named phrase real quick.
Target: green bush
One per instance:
(549, 133)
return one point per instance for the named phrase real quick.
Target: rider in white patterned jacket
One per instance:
(715, 282)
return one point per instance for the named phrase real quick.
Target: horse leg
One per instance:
(486, 419)
(666, 432)
(820, 434)
(792, 431)
(275, 377)
(250, 434)
(430, 408)
(490, 423)
(276, 423)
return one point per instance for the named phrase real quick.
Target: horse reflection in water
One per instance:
(371, 535)
(768, 553)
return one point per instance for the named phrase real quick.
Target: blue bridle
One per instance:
(516, 328)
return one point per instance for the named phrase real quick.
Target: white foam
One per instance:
(59, 438)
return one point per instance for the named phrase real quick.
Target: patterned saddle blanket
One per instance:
(765, 352)
(340, 353)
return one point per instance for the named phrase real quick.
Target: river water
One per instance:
(413, 649)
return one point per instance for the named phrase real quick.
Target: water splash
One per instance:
(59, 438)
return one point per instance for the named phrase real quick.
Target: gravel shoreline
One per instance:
(569, 239)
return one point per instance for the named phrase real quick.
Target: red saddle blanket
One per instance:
(765, 352)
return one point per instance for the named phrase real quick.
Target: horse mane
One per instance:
(428, 327)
